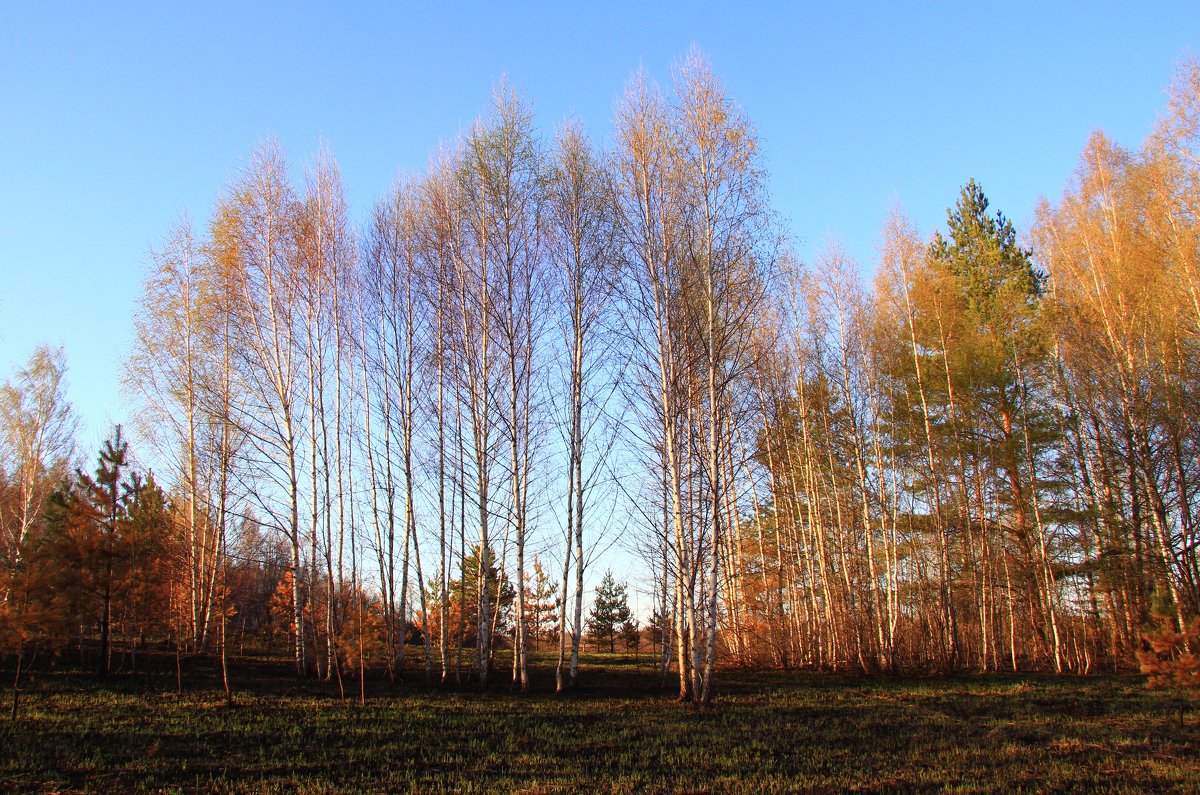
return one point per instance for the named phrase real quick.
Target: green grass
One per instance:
(766, 733)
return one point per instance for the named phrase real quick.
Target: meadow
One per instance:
(621, 733)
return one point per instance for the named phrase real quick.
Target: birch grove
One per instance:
(371, 438)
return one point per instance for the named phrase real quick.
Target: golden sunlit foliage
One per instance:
(409, 437)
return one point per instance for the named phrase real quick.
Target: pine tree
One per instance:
(148, 559)
(609, 612)
(1171, 662)
(631, 634)
(105, 503)
(500, 591)
(541, 602)
(997, 401)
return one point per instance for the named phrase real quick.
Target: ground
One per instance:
(767, 732)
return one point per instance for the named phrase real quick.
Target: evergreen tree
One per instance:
(109, 551)
(541, 603)
(1171, 660)
(104, 503)
(609, 612)
(984, 255)
(631, 634)
(500, 591)
(1001, 429)
(150, 556)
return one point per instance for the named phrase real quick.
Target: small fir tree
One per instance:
(609, 612)
(499, 588)
(1171, 662)
(631, 634)
(542, 603)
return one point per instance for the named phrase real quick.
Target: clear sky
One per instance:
(116, 118)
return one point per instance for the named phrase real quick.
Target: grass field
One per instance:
(771, 732)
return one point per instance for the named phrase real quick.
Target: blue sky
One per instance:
(115, 118)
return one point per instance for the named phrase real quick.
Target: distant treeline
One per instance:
(984, 459)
